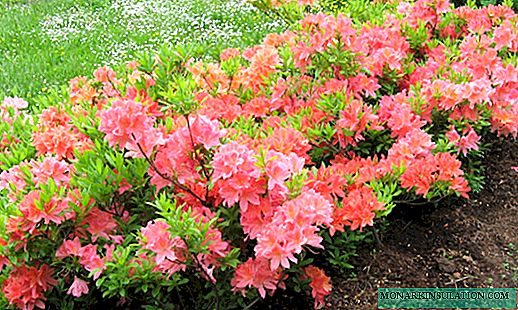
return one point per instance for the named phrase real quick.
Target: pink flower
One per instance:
(398, 114)
(13, 176)
(49, 212)
(357, 210)
(256, 273)
(157, 239)
(105, 75)
(273, 244)
(354, 120)
(125, 122)
(57, 135)
(460, 185)
(78, 288)
(91, 261)
(506, 36)
(229, 53)
(505, 120)
(25, 286)
(288, 140)
(449, 166)
(232, 158)
(277, 169)
(236, 174)
(452, 135)
(100, 223)
(468, 142)
(294, 225)
(50, 168)
(175, 157)
(320, 284)
(419, 174)
(69, 248)
(205, 131)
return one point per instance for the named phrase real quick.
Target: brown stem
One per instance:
(200, 161)
(199, 266)
(165, 177)
(205, 173)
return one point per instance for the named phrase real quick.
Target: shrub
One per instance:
(179, 181)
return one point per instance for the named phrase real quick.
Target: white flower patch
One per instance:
(153, 23)
(64, 26)
(110, 32)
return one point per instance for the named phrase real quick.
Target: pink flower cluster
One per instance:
(292, 226)
(35, 211)
(127, 123)
(257, 273)
(320, 284)
(87, 255)
(175, 157)
(237, 175)
(357, 210)
(169, 251)
(57, 135)
(26, 285)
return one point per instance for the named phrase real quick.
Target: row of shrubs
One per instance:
(180, 183)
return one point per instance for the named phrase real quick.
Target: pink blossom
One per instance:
(294, 225)
(105, 75)
(468, 142)
(26, 285)
(256, 273)
(320, 284)
(91, 261)
(78, 288)
(237, 175)
(358, 209)
(125, 122)
(158, 239)
(100, 223)
(69, 248)
(452, 135)
(50, 168)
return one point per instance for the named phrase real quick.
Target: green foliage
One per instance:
(343, 245)
(480, 3)
(359, 10)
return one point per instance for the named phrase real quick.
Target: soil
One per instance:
(462, 243)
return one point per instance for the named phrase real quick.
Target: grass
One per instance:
(45, 43)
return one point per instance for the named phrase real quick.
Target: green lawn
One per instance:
(44, 43)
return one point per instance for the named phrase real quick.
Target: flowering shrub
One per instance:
(180, 181)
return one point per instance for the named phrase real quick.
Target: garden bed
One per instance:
(250, 182)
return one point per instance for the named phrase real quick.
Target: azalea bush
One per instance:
(182, 183)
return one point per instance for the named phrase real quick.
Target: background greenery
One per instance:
(45, 43)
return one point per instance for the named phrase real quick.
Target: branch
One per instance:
(165, 177)
(205, 173)
(200, 266)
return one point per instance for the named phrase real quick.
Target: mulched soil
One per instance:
(456, 244)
